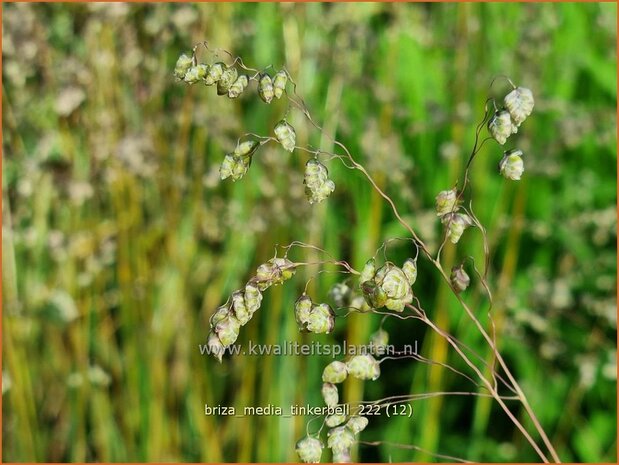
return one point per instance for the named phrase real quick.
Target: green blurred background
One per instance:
(119, 241)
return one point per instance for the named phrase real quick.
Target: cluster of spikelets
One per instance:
(447, 209)
(343, 429)
(230, 82)
(318, 186)
(518, 105)
(227, 78)
(226, 322)
(388, 286)
(313, 318)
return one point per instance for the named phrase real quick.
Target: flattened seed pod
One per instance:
(309, 450)
(229, 75)
(246, 148)
(321, 319)
(285, 135)
(195, 73)
(234, 167)
(228, 330)
(214, 73)
(501, 127)
(266, 91)
(511, 165)
(374, 295)
(238, 86)
(302, 310)
(335, 372)
(335, 420)
(253, 298)
(221, 313)
(446, 202)
(395, 285)
(279, 83)
(410, 270)
(274, 271)
(340, 439)
(240, 309)
(317, 184)
(460, 280)
(330, 394)
(368, 272)
(519, 102)
(363, 367)
(216, 348)
(456, 224)
(183, 64)
(357, 424)
(393, 281)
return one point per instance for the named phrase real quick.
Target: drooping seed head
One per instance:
(228, 76)
(363, 367)
(265, 88)
(511, 165)
(183, 64)
(279, 83)
(216, 348)
(456, 224)
(446, 202)
(318, 186)
(214, 73)
(285, 135)
(410, 270)
(246, 148)
(519, 102)
(335, 372)
(460, 280)
(309, 450)
(302, 310)
(357, 424)
(238, 86)
(340, 439)
(330, 394)
(234, 167)
(501, 126)
(321, 319)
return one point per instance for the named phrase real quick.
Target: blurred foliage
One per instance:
(119, 241)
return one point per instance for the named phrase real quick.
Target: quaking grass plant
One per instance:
(381, 287)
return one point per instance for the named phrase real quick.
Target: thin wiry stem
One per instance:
(414, 447)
